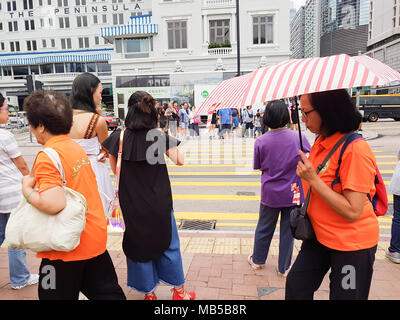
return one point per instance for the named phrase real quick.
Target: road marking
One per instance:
(223, 197)
(383, 163)
(239, 216)
(230, 173)
(219, 159)
(209, 165)
(215, 183)
(242, 224)
(227, 197)
(223, 183)
(213, 173)
(239, 165)
(216, 216)
(208, 153)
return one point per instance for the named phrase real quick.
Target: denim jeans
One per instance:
(19, 273)
(145, 276)
(395, 240)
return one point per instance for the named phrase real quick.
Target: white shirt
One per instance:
(10, 176)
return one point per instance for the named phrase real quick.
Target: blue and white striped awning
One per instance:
(143, 19)
(138, 26)
(53, 58)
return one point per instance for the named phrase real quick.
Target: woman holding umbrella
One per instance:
(345, 225)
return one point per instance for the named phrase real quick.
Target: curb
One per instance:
(369, 135)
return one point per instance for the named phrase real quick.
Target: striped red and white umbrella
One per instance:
(301, 76)
(227, 94)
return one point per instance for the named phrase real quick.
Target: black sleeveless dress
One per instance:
(144, 192)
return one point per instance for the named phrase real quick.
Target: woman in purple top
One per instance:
(276, 154)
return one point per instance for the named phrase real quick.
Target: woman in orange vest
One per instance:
(345, 225)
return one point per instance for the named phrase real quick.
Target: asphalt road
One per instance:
(218, 185)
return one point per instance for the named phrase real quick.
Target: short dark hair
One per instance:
(276, 114)
(83, 87)
(338, 113)
(142, 113)
(50, 109)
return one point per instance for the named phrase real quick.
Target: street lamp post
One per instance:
(238, 37)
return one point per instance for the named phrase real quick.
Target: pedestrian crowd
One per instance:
(345, 226)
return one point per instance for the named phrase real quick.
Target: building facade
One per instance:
(344, 27)
(186, 47)
(178, 49)
(384, 32)
(297, 34)
(312, 28)
(57, 39)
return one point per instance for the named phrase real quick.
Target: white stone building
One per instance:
(174, 49)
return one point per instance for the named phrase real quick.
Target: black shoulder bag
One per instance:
(300, 223)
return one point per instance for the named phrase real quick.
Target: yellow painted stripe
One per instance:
(241, 224)
(230, 173)
(214, 159)
(238, 216)
(216, 216)
(207, 154)
(223, 197)
(248, 224)
(214, 173)
(216, 147)
(381, 157)
(215, 183)
(232, 224)
(223, 184)
(209, 165)
(390, 162)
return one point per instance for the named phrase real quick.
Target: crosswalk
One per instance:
(227, 190)
(217, 183)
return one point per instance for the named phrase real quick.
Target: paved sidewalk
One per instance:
(215, 266)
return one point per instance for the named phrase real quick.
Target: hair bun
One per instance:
(146, 104)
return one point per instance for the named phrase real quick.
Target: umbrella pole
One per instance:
(298, 118)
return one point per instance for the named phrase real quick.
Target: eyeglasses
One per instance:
(305, 113)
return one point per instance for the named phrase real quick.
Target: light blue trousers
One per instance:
(19, 273)
(145, 276)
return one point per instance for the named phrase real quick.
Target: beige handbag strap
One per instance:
(54, 156)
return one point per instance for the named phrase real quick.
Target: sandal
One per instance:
(150, 296)
(182, 294)
(252, 264)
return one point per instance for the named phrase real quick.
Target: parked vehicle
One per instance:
(16, 119)
(373, 107)
(112, 121)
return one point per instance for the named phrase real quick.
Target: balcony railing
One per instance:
(219, 51)
(217, 3)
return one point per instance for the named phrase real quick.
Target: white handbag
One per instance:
(29, 228)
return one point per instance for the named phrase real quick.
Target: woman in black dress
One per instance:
(151, 241)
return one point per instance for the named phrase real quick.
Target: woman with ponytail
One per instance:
(151, 241)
